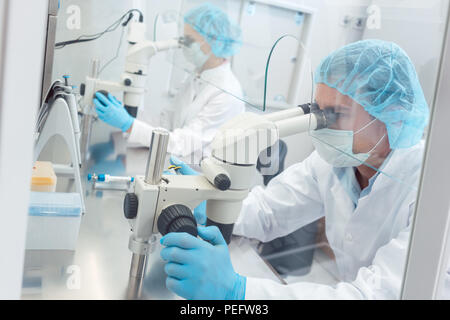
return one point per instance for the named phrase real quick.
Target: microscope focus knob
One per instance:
(177, 218)
(222, 182)
(130, 206)
(82, 89)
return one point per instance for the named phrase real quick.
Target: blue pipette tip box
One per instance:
(53, 221)
(55, 204)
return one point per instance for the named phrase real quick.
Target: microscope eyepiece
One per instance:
(325, 117)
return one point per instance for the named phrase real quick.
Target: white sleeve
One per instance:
(195, 134)
(199, 132)
(289, 202)
(141, 133)
(381, 280)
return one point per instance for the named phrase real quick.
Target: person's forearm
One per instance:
(140, 133)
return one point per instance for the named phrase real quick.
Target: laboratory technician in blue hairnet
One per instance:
(382, 114)
(200, 108)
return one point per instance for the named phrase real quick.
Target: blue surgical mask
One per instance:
(195, 55)
(336, 147)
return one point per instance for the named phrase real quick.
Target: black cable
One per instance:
(111, 28)
(115, 57)
(93, 37)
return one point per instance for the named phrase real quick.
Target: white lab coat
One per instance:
(370, 240)
(203, 105)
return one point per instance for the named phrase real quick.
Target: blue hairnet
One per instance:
(380, 76)
(213, 24)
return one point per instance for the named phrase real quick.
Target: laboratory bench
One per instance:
(99, 266)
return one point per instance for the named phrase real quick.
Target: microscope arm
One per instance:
(139, 55)
(174, 190)
(133, 80)
(93, 85)
(241, 141)
(163, 204)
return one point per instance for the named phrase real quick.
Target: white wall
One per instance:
(21, 63)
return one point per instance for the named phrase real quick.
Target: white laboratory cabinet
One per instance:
(22, 31)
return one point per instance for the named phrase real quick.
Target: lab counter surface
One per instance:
(99, 267)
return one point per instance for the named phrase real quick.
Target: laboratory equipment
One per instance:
(164, 203)
(108, 178)
(133, 80)
(43, 177)
(109, 182)
(52, 22)
(24, 28)
(54, 221)
(58, 116)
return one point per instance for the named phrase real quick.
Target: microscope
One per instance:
(164, 203)
(133, 79)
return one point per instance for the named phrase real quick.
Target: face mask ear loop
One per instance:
(367, 125)
(378, 143)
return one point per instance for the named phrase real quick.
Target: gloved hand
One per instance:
(185, 169)
(201, 269)
(112, 111)
(200, 211)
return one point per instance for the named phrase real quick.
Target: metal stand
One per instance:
(134, 290)
(59, 122)
(155, 164)
(88, 117)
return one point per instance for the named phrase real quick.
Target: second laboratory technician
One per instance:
(362, 178)
(201, 107)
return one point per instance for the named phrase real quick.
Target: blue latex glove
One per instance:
(200, 211)
(185, 169)
(112, 111)
(201, 269)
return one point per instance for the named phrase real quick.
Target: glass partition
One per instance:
(336, 213)
(443, 285)
(372, 100)
(268, 69)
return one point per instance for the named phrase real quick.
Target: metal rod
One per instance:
(88, 119)
(157, 156)
(138, 265)
(134, 289)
